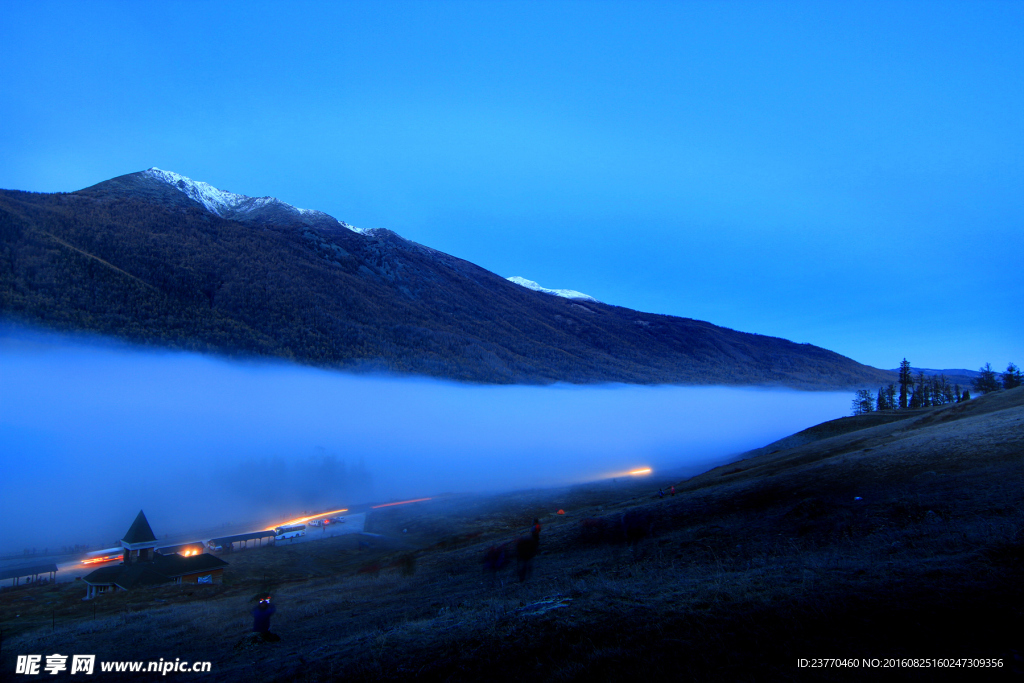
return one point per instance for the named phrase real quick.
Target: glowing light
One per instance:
(98, 560)
(300, 520)
(640, 471)
(401, 502)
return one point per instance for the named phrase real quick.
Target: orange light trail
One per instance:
(300, 520)
(641, 470)
(97, 560)
(401, 502)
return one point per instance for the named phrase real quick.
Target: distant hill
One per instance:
(156, 258)
(960, 372)
(965, 378)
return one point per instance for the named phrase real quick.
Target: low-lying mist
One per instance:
(92, 432)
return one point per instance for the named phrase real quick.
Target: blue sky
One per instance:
(845, 174)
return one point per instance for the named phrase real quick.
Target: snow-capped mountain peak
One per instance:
(567, 293)
(216, 201)
(230, 205)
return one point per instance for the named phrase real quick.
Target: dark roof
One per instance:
(163, 569)
(140, 574)
(27, 570)
(178, 565)
(104, 575)
(237, 538)
(172, 549)
(140, 531)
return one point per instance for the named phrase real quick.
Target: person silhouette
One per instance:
(261, 614)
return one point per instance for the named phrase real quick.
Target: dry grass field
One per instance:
(865, 537)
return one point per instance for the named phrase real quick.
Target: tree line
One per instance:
(923, 391)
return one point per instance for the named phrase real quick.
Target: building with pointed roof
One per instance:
(142, 566)
(140, 542)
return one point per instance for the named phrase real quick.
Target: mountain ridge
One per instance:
(229, 204)
(139, 259)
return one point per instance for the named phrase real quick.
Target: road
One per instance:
(70, 570)
(354, 524)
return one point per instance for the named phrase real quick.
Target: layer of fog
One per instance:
(90, 433)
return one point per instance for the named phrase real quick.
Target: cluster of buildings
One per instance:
(143, 565)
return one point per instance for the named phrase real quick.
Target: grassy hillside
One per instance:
(899, 539)
(157, 269)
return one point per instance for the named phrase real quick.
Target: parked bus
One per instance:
(283, 532)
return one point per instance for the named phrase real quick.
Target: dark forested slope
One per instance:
(137, 259)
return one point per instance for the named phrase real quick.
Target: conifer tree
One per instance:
(1012, 377)
(987, 382)
(862, 402)
(905, 382)
(919, 399)
(947, 392)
